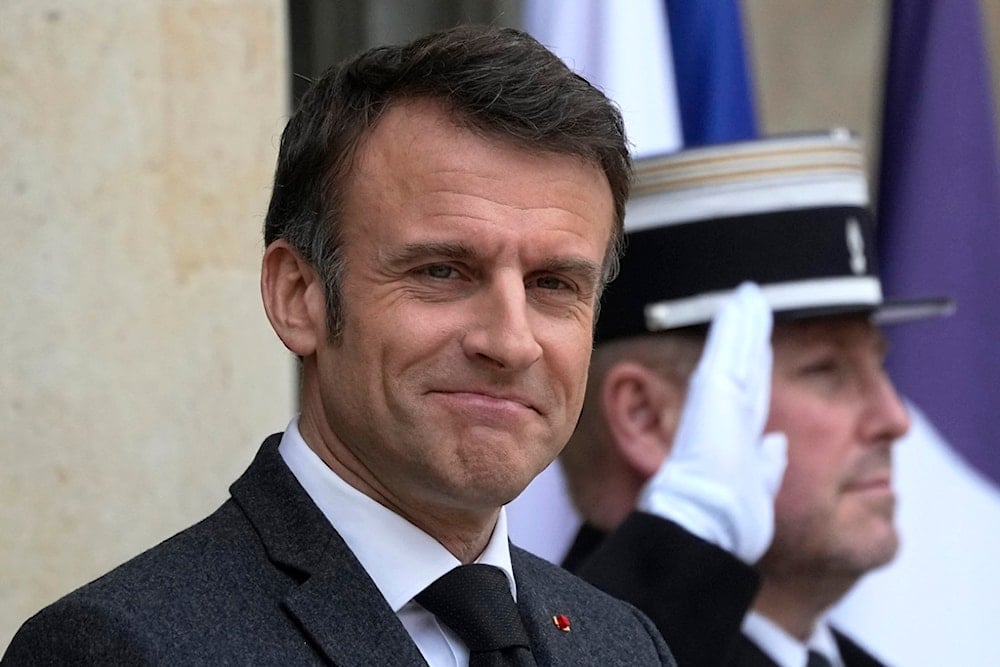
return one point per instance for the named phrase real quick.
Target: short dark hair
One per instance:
(498, 82)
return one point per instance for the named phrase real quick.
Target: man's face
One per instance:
(832, 398)
(472, 270)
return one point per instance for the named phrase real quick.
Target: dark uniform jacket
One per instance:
(695, 592)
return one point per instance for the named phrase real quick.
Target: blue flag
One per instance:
(714, 90)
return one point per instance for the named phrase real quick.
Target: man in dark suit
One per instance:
(776, 496)
(444, 217)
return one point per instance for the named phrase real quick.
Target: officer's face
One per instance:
(832, 398)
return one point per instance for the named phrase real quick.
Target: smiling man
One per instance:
(445, 215)
(472, 271)
(742, 540)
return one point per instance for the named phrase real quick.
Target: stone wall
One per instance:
(138, 372)
(818, 63)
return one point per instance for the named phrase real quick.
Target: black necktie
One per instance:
(475, 602)
(817, 659)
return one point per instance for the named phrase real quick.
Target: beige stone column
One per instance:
(138, 373)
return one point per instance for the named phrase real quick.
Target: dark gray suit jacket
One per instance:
(266, 580)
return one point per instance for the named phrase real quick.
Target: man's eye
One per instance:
(441, 271)
(551, 282)
(820, 368)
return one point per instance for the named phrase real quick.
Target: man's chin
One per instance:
(878, 549)
(890, 550)
(491, 490)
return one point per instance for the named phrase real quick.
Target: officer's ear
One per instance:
(641, 409)
(293, 298)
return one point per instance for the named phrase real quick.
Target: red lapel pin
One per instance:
(561, 621)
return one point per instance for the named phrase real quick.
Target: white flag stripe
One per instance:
(622, 47)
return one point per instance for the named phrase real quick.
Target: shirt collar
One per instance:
(400, 558)
(783, 648)
(823, 641)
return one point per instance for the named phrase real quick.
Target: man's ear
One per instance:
(293, 298)
(641, 409)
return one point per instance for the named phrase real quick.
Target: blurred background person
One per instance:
(735, 556)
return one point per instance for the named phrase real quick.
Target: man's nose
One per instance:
(887, 418)
(501, 332)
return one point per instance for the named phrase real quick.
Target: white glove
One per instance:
(723, 473)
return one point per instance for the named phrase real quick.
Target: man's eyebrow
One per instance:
(577, 266)
(411, 252)
(457, 251)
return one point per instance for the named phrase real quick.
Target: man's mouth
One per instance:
(873, 484)
(488, 401)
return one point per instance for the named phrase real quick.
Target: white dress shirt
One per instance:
(400, 558)
(785, 649)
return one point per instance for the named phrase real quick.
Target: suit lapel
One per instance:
(335, 602)
(537, 616)
(359, 628)
(852, 654)
(748, 654)
(538, 601)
